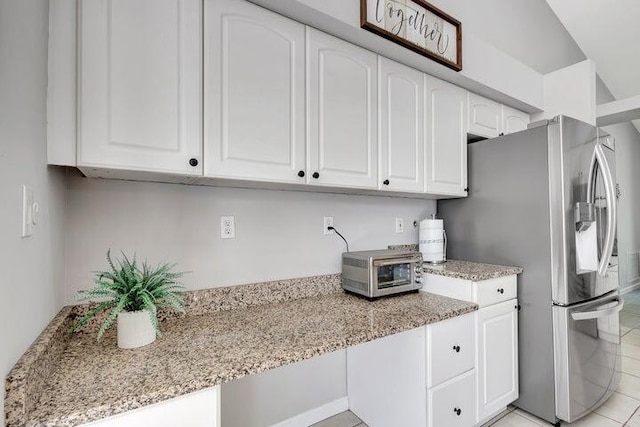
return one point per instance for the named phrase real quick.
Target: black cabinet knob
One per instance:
(458, 411)
(385, 182)
(316, 175)
(456, 348)
(193, 162)
(301, 174)
(501, 134)
(501, 291)
(466, 190)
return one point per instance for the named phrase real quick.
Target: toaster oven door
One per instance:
(393, 276)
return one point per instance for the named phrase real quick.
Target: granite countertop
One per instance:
(91, 380)
(465, 270)
(473, 271)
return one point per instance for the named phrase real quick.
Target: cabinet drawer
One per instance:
(450, 348)
(493, 291)
(452, 404)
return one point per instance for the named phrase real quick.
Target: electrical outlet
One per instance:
(328, 222)
(227, 227)
(399, 225)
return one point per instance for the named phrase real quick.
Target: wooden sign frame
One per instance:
(435, 56)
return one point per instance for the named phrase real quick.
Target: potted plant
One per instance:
(133, 294)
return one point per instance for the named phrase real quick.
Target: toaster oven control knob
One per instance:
(418, 280)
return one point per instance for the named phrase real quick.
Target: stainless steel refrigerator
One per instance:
(545, 199)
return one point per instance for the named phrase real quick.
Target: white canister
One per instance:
(433, 240)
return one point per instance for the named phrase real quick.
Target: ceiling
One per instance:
(608, 32)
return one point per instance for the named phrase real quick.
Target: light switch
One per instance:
(28, 211)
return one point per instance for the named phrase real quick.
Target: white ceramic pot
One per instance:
(135, 329)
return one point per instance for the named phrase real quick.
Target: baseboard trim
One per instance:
(316, 414)
(628, 289)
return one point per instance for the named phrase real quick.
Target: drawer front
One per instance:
(452, 404)
(450, 348)
(493, 291)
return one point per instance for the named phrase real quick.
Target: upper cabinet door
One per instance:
(342, 116)
(446, 148)
(401, 108)
(140, 88)
(513, 120)
(485, 116)
(254, 93)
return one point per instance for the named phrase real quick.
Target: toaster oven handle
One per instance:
(383, 262)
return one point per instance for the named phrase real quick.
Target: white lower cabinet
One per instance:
(453, 403)
(497, 329)
(424, 376)
(495, 349)
(199, 409)
(450, 349)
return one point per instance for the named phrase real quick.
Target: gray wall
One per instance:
(527, 30)
(31, 269)
(628, 175)
(278, 233)
(250, 401)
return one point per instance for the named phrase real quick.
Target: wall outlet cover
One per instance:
(399, 225)
(328, 222)
(227, 227)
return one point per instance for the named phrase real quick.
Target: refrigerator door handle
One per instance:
(597, 314)
(600, 159)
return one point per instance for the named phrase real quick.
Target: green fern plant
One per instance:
(128, 286)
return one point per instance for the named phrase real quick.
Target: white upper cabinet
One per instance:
(485, 116)
(513, 120)
(140, 91)
(254, 99)
(446, 143)
(401, 112)
(342, 116)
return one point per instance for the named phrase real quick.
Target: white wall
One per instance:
(628, 176)
(278, 233)
(31, 269)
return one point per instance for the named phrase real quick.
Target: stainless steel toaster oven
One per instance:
(383, 272)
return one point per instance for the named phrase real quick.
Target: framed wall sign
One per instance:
(416, 25)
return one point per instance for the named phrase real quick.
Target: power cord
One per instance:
(341, 236)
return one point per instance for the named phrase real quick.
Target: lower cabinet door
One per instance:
(453, 403)
(497, 357)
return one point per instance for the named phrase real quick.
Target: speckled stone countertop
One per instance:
(473, 271)
(466, 270)
(93, 380)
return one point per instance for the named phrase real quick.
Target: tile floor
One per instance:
(622, 409)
